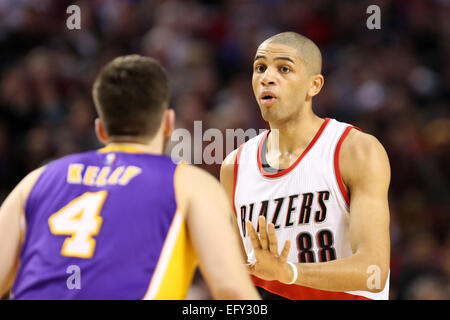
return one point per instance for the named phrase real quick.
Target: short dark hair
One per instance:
(308, 51)
(131, 94)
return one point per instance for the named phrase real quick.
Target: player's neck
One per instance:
(154, 146)
(293, 135)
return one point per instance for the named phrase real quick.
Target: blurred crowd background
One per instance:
(392, 83)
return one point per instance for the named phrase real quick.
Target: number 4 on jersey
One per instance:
(80, 219)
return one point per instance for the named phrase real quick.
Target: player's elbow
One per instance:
(375, 275)
(381, 284)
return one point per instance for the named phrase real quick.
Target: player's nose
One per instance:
(268, 77)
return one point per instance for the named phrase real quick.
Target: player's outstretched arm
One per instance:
(227, 181)
(11, 213)
(210, 228)
(365, 170)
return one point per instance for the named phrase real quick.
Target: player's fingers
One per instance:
(285, 252)
(253, 236)
(251, 268)
(273, 242)
(263, 233)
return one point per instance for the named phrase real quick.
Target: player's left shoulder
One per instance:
(362, 154)
(27, 183)
(363, 146)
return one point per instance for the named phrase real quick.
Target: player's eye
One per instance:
(285, 69)
(260, 68)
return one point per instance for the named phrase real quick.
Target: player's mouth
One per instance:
(267, 99)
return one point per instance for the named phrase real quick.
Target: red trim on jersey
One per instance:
(296, 292)
(285, 171)
(337, 171)
(235, 171)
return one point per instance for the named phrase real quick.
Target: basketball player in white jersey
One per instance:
(316, 190)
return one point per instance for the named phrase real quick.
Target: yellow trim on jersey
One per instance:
(176, 265)
(121, 148)
(23, 225)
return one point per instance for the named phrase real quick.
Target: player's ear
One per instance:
(100, 131)
(317, 82)
(169, 122)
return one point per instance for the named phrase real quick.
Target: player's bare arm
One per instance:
(227, 181)
(226, 174)
(365, 172)
(11, 213)
(217, 245)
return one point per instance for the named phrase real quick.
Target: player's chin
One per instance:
(269, 114)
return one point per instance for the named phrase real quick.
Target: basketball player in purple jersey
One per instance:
(125, 218)
(319, 185)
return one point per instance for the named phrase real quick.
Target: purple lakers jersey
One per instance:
(105, 225)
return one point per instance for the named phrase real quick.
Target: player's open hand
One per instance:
(269, 264)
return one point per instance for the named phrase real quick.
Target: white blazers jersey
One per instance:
(307, 203)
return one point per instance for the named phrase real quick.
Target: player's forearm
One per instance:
(356, 272)
(230, 291)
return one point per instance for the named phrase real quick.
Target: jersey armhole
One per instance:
(178, 201)
(27, 197)
(235, 173)
(337, 170)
